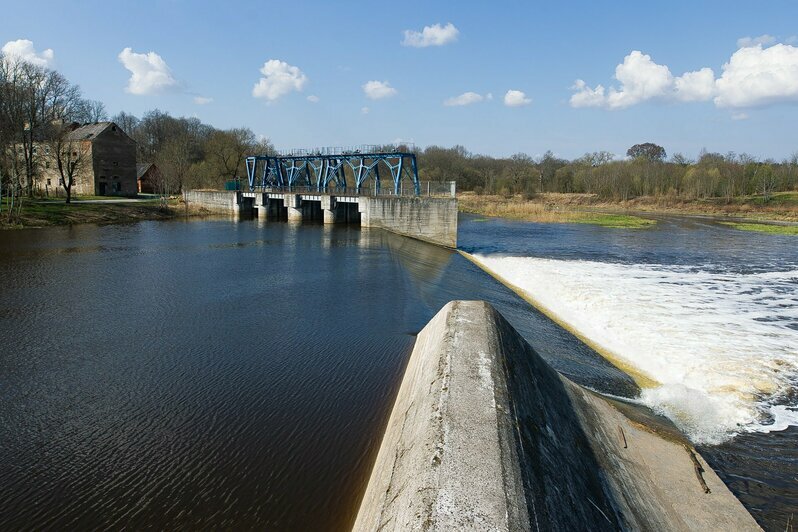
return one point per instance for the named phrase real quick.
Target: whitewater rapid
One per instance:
(721, 346)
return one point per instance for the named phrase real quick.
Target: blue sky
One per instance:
(216, 50)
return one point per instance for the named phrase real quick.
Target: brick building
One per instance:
(110, 167)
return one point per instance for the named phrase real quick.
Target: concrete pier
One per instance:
(294, 205)
(328, 206)
(484, 435)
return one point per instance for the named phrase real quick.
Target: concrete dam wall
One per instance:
(430, 219)
(484, 435)
(217, 201)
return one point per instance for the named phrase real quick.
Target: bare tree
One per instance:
(71, 156)
(94, 111)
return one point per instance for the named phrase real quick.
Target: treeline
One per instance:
(646, 172)
(188, 153)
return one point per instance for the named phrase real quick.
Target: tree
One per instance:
(225, 152)
(128, 122)
(71, 156)
(94, 111)
(647, 150)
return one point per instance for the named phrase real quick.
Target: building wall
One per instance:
(49, 178)
(109, 167)
(114, 163)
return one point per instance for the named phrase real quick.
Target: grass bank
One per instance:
(45, 213)
(765, 228)
(535, 210)
(589, 208)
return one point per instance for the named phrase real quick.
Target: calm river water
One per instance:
(216, 373)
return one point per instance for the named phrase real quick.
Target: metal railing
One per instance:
(348, 150)
(440, 189)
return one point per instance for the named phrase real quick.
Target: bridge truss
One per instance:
(324, 171)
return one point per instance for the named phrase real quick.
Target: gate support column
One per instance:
(293, 202)
(328, 205)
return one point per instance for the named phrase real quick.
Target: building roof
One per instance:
(141, 169)
(91, 131)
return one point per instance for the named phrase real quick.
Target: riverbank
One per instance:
(96, 210)
(591, 209)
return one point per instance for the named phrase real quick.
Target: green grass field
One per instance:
(47, 212)
(764, 228)
(618, 221)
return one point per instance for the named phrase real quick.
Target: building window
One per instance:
(116, 163)
(48, 182)
(74, 154)
(116, 177)
(47, 164)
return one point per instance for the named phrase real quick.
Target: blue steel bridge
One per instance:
(354, 170)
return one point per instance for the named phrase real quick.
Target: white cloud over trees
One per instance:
(279, 78)
(23, 50)
(754, 76)
(149, 73)
(435, 35)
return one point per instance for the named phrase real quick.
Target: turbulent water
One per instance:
(706, 312)
(721, 344)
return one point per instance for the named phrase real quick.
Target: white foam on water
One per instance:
(719, 344)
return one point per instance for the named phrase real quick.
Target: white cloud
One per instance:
(23, 50)
(641, 79)
(489, 96)
(698, 86)
(364, 110)
(279, 78)
(515, 98)
(757, 76)
(435, 35)
(739, 116)
(376, 90)
(585, 96)
(149, 72)
(467, 98)
(202, 100)
(313, 98)
(764, 40)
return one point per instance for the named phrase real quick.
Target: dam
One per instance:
(343, 185)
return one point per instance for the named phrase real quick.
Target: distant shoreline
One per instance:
(782, 210)
(40, 213)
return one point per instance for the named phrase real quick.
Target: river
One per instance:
(237, 374)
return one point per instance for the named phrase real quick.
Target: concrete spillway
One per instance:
(484, 435)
